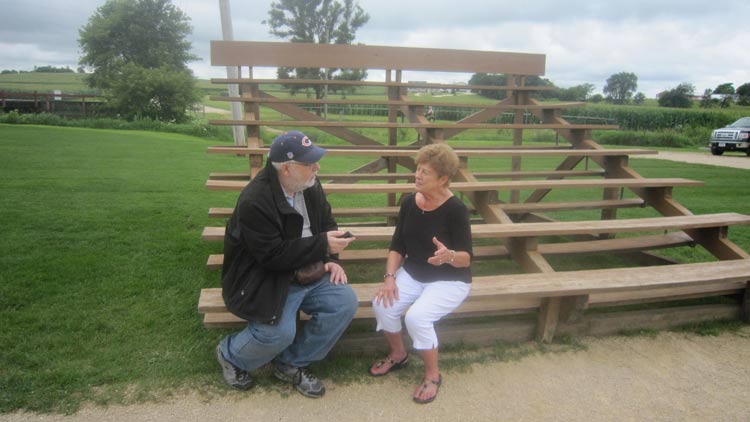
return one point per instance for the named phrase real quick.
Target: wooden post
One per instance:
(746, 304)
(549, 315)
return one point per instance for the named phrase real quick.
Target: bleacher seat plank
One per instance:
(523, 290)
(410, 176)
(583, 282)
(509, 208)
(628, 244)
(684, 222)
(339, 188)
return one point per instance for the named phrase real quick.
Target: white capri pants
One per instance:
(429, 303)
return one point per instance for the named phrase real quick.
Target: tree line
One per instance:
(135, 52)
(42, 69)
(621, 88)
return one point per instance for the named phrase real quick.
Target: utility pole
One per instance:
(232, 72)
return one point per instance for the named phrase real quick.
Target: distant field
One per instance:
(68, 83)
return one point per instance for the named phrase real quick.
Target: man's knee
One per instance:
(274, 335)
(348, 302)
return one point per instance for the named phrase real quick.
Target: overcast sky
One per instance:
(664, 42)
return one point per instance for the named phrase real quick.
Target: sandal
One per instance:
(426, 384)
(388, 361)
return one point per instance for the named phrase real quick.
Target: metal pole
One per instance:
(232, 72)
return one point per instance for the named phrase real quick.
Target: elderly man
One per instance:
(280, 252)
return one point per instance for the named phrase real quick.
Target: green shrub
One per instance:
(666, 138)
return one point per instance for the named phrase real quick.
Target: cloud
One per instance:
(664, 42)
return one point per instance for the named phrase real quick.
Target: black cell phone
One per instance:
(346, 235)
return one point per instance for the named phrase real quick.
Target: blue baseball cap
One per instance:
(295, 146)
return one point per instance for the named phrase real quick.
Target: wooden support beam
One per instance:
(746, 304)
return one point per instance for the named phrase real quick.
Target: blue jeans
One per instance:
(331, 308)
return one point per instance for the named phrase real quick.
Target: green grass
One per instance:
(101, 263)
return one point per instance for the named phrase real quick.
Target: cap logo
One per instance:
(306, 141)
(290, 155)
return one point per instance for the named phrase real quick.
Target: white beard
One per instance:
(299, 187)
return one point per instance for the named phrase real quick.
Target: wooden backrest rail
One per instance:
(275, 54)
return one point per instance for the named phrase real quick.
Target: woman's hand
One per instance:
(338, 275)
(441, 255)
(387, 293)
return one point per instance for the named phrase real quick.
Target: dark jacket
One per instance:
(263, 247)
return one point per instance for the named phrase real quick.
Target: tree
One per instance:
(496, 79)
(320, 22)
(743, 91)
(726, 90)
(125, 40)
(679, 97)
(488, 79)
(639, 98)
(575, 93)
(706, 99)
(620, 87)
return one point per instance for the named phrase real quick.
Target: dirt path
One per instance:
(734, 160)
(672, 377)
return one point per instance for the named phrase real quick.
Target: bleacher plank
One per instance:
(338, 177)
(399, 103)
(624, 245)
(684, 222)
(524, 290)
(394, 84)
(484, 186)
(462, 152)
(525, 207)
(404, 125)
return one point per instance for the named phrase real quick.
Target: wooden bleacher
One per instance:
(516, 207)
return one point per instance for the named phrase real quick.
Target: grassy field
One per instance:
(68, 83)
(101, 260)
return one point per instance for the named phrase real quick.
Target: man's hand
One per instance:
(338, 275)
(336, 243)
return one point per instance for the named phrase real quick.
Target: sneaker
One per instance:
(233, 375)
(303, 380)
